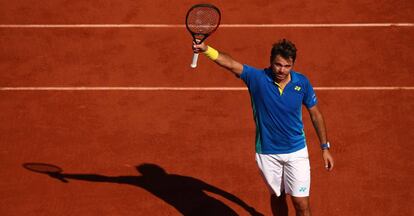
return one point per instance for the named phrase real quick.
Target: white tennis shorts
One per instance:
(286, 172)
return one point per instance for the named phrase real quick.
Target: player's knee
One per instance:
(301, 204)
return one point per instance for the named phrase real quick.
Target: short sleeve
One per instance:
(248, 74)
(310, 99)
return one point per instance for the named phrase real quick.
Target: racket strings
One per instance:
(203, 20)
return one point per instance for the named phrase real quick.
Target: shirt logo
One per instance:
(298, 88)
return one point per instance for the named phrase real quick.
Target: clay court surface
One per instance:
(106, 100)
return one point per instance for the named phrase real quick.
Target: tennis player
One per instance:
(277, 95)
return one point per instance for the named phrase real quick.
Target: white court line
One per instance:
(107, 88)
(304, 25)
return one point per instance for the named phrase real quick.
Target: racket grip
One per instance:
(195, 59)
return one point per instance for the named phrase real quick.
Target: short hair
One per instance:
(285, 49)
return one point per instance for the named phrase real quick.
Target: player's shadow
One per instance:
(186, 194)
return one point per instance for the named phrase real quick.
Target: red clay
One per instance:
(243, 11)
(143, 57)
(204, 137)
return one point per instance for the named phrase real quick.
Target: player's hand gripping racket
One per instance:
(201, 21)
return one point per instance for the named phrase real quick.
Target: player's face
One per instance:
(281, 67)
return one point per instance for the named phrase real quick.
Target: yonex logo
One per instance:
(302, 189)
(297, 88)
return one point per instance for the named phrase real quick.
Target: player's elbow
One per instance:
(230, 64)
(315, 114)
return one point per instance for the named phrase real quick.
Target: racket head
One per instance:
(202, 20)
(42, 168)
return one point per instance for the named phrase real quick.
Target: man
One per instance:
(277, 94)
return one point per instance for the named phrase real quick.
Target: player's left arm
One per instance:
(320, 128)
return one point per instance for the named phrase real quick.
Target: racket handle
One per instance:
(195, 59)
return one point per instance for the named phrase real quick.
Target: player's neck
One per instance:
(284, 81)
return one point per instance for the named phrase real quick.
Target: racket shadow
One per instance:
(44, 168)
(186, 194)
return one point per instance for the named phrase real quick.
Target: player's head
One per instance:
(285, 49)
(282, 58)
(151, 170)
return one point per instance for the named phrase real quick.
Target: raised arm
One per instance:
(222, 59)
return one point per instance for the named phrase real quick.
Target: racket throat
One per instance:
(199, 38)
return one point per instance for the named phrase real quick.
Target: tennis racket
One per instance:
(201, 21)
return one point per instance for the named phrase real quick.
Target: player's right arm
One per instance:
(222, 59)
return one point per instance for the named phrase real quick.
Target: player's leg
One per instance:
(271, 167)
(279, 204)
(302, 206)
(297, 181)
